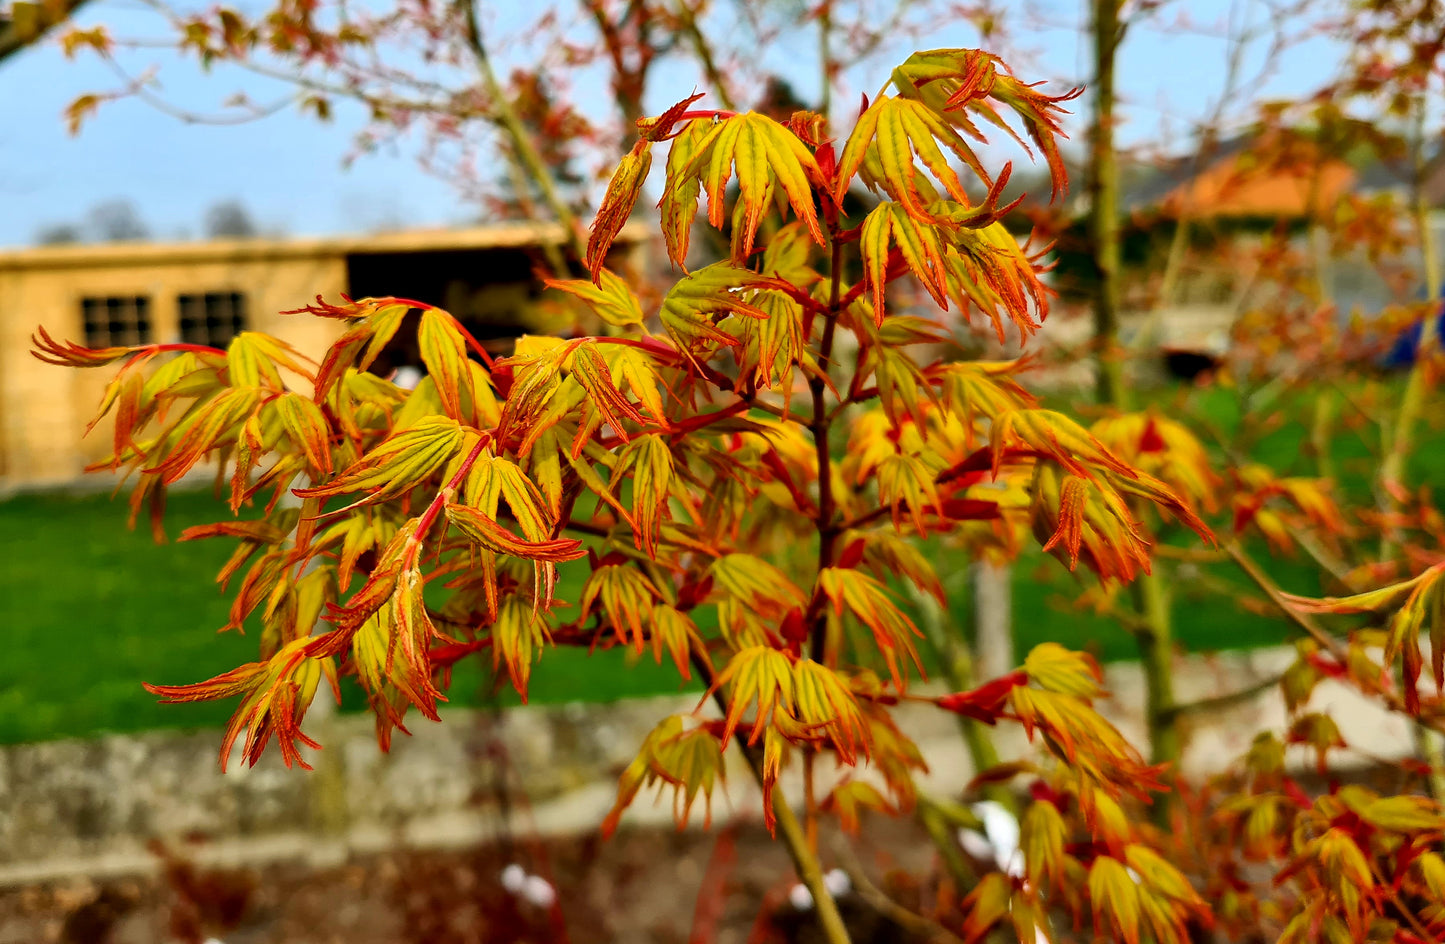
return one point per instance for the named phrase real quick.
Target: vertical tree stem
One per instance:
(710, 70)
(1104, 206)
(805, 861)
(1154, 637)
(827, 527)
(956, 662)
(526, 151)
(825, 55)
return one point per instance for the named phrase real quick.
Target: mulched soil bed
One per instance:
(729, 885)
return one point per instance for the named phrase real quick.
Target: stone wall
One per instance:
(91, 807)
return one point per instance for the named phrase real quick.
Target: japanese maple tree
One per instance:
(741, 497)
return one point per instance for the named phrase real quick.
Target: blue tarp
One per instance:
(1402, 352)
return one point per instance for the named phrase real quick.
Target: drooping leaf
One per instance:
(693, 305)
(444, 351)
(869, 602)
(689, 760)
(757, 676)
(518, 635)
(609, 296)
(617, 204)
(276, 694)
(955, 82)
(679, 196)
(649, 459)
(826, 707)
(1115, 899)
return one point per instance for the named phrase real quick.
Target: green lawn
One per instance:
(91, 609)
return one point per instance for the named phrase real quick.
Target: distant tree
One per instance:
(116, 221)
(58, 234)
(230, 219)
(555, 128)
(779, 99)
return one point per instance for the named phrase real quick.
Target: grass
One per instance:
(91, 609)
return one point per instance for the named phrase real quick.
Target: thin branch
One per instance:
(1435, 721)
(1220, 702)
(1304, 621)
(688, 18)
(915, 924)
(525, 150)
(805, 861)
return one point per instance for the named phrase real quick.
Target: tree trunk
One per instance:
(1104, 206)
(993, 642)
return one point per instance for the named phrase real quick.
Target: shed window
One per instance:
(116, 320)
(212, 318)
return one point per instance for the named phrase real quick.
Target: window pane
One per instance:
(212, 318)
(116, 320)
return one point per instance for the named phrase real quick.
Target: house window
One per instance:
(117, 320)
(212, 318)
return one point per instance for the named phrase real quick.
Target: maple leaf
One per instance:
(825, 705)
(608, 295)
(955, 82)
(761, 585)
(691, 307)
(517, 634)
(1055, 436)
(757, 675)
(981, 388)
(359, 347)
(69, 354)
(493, 480)
(650, 462)
(986, 268)
(1115, 898)
(209, 425)
(849, 798)
(679, 197)
(444, 352)
(1042, 835)
(276, 694)
(398, 464)
(674, 631)
(921, 244)
(1074, 515)
(484, 531)
(891, 137)
(307, 427)
(689, 760)
(626, 598)
(986, 904)
(986, 702)
(766, 155)
(1164, 449)
(1414, 605)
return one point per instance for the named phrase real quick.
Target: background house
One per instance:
(1230, 195)
(207, 292)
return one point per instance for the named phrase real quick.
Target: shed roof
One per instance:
(104, 255)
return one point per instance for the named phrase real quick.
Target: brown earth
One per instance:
(728, 886)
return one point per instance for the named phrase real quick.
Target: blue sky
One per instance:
(289, 168)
